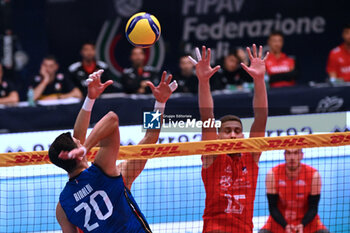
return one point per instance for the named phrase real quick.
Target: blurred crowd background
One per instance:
(49, 47)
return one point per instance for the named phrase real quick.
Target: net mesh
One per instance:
(170, 192)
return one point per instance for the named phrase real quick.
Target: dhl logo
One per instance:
(151, 151)
(212, 147)
(286, 143)
(29, 158)
(162, 150)
(340, 139)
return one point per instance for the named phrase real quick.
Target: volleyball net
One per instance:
(170, 190)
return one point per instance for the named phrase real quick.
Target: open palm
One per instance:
(257, 64)
(163, 91)
(203, 69)
(95, 87)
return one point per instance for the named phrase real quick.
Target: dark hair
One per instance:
(347, 26)
(64, 142)
(276, 33)
(88, 43)
(230, 118)
(50, 57)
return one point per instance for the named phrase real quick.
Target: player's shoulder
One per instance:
(308, 168)
(278, 167)
(337, 50)
(75, 66)
(102, 65)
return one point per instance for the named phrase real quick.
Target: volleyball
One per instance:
(142, 30)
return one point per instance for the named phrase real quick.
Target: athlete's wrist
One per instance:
(83, 148)
(159, 106)
(88, 104)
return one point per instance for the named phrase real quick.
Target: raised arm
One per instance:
(106, 134)
(131, 169)
(95, 89)
(206, 105)
(260, 106)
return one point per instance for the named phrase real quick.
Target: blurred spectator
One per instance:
(280, 68)
(186, 78)
(79, 71)
(13, 58)
(134, 78)
(338, 65)
(52, 85)
(231, 72)
(5, 15)
(8, 94)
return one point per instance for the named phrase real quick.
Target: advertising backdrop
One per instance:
(312, 28)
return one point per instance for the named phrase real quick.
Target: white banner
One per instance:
(131, 135)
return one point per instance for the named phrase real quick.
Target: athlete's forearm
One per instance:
(311, 213)
(83, 120)
(260, 99)
(10, 99)
(206, 109)
(103, 129)
(274, 211)
(81, 125)
(206, 104)
(260, 107)
(152, 135)
(39, 90)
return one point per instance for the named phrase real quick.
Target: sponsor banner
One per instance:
(209, 147)
(221, 24)
(131, 135)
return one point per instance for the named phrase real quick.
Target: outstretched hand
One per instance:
(203, 69)
(164, 90)
(95, 87)
(257, 64)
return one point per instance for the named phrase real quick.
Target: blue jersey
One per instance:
(95, 202)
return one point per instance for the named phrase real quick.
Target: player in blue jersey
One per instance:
(98, 198)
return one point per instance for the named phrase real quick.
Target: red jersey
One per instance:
(283, 64)
(339, 62)
(230, 184)
(293, 199)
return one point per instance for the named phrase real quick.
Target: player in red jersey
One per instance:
(338, 65)
(280, 68)
(293, 190)
(230, 179)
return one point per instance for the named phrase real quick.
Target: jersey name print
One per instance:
(95, 202)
